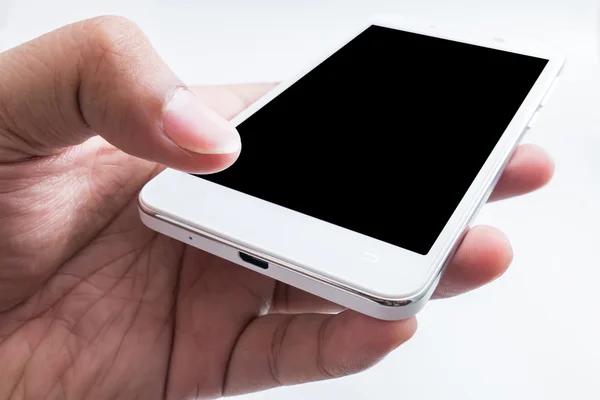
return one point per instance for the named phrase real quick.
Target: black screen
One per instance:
(384, 137)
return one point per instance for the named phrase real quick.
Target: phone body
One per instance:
(369, 164)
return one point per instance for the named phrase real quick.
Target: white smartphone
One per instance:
(368, 165)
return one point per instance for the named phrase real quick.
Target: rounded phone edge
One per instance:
(384, 308)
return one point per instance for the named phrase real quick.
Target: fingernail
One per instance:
(196, 127)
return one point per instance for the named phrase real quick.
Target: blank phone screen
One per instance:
(385, 136)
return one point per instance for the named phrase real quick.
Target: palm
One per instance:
(115, 305)
(94, 304)
(106, 316)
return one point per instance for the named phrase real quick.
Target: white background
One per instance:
(532, 334)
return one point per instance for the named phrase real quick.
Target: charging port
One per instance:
(257, 262)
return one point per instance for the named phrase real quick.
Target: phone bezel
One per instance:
(352, 260)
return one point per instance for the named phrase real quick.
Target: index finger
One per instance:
(529, 169)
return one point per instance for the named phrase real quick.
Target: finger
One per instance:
(529, 169)
(290, 300)
(277, 350)
(102, 76)
(483, 256)
(230, 100)
(216, 300)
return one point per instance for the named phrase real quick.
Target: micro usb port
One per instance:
(257, 262)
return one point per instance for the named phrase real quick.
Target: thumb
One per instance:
(102, 76)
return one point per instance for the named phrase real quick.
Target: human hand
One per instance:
(95, 305)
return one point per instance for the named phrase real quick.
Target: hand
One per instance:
(93, 304)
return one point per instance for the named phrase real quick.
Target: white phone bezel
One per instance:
(323, 251)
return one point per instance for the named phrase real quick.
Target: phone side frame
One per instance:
(336, 292)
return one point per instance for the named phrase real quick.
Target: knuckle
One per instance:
(113, 52)
(275, 351)
(114, 40)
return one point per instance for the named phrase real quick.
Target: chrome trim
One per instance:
(386, 302)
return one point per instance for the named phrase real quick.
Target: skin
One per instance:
(94, 305)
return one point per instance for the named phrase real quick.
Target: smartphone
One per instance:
(359, 177)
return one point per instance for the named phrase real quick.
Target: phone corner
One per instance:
(399, 310)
